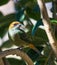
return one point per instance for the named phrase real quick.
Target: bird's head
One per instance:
(13, 24)
(17, 27)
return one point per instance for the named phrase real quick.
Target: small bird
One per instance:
(18, 35)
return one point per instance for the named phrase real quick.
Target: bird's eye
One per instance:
(15, 24)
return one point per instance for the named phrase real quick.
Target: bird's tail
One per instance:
(34, 48)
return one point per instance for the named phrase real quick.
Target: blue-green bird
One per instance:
(18, 35)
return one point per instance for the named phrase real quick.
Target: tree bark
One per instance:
(47, 25)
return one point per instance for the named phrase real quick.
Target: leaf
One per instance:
(40, 37)
(36, 26)
(2, 2)
(14, 61)
(53, 21)
(31, 9)
(32, 12)
(4, 23)
(6, 20)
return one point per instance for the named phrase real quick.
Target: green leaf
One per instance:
(31, 9)
(14, 61)
(5, 22)
(2, 2)
(32, 14)
(40, 37)
(53, 21)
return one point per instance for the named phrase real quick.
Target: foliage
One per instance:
(13, 61)
(3, 2)
(39, 39)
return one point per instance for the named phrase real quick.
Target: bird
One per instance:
(17, 34)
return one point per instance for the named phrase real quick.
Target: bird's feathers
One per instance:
(18, 36)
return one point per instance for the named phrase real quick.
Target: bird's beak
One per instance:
(23, 28)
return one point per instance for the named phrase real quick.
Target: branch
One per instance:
(47, 25)
(3, 61)
(18, 52)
